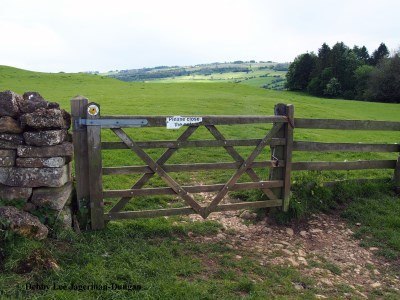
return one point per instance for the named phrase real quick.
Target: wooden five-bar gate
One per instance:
(88, 122)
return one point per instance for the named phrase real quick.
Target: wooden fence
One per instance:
(88, 122)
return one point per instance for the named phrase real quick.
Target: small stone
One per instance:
(298, 287)
(35, 177)
(9, 125)
(52, 198)
(373, 248)
(302, 260)
(289, 231)
(358, 224)
(248, 215)
(42, 162)
(315, 230)
(301, 253)
(65, 149)
(11, 193)
(287, 252)
(45, 138)
(318, 296)
(9, 104)
(267, 230)
(221, 236)
(292, 262)
(376, 285)
(303, 233)
(376, 272)
(326, 281)
(22, 223)
(238, 257)
(190, 234)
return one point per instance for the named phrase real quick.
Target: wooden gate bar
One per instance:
(236, 156)
(189, 210)
(124, 170)
(242, 169)
(160, 121)
(188, 144)
(343, 165)
(347, 124)
(191, 189)
(146, 177)
(344, 147)
(158, 169)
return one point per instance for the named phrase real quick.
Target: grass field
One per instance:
(156, 254)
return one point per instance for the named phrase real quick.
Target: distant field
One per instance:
(261, 74)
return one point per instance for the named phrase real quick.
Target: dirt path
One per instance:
(322, 248)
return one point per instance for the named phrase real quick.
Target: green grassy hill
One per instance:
(156, 255)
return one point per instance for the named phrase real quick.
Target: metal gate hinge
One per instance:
(109, 123)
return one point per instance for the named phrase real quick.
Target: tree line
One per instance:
(350, 73)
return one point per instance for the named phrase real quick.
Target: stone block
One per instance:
(52, 198)
(41, 162)
(7, 153)
(35, 177)
(45, 119)
(23, 223)
(65, 149)
(12, 138)
(9, 104)
(65, 218)
(32, 101)
(10, 193)
(7, 161)
(45, 138)
(8, 145)
(9, 125)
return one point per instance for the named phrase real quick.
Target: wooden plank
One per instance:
(348, 165)
(160, 121)
(163, 159)
(189, 144)
(218, 198)
(190, 189)
(189, 210)
(236, 156)
(396, 177)
(288, 156)
(81, 161)
(278, 152)
(187, 167)
(157, 169)
(346, 124)
(345, 147)
(95, 166)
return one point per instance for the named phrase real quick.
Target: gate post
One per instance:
(95, 168)
(397, 176)
(283, 153)
(81, 161)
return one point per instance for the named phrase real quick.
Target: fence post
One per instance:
(284, 153)
(95, 168)
(81, 161)
(397, 176)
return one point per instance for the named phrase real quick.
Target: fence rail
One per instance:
(89, 170)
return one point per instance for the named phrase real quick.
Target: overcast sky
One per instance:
(73, 36)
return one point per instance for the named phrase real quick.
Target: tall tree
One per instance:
(384, 81)
(299, 73)
(378, 54)
(362, 54)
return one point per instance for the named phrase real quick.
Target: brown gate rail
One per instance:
(89, 171)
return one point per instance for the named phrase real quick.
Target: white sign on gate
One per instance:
(177, 122)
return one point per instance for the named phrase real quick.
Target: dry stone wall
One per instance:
(35, 164)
